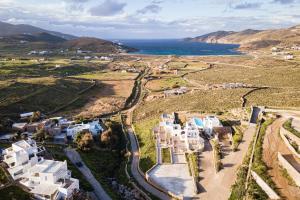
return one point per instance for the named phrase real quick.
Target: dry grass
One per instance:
(165, 83)
(108, 76)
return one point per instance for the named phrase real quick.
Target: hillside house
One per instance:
(182, 139)
(177, 91)
(19, 126)
(46, 179)
(93, 127)
(26, 115)
(288, 57)
(209, 123)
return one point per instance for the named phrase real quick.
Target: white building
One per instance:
(46, 179)
(289, 57)
(210, 122)
(92, 127)
(26, 115)
(182, 139)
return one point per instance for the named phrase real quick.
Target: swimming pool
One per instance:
(198, 122)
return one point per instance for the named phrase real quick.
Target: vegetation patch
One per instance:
(108, 76)
(259, 165)
(13, 193)
(106, 159)
(286, 175)
(192, 159)
(3, 177)
(166, 155)
(166, 83)
(237, 137)
(238, 189)
(143, 130)
(217, 154)
(288, 126)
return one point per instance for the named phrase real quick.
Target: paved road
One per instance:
(98, 190)
(134, 169)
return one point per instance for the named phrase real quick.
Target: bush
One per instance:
(288, 126)
(84, 140)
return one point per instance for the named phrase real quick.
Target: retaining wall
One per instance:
(268, 190)
(290, 135)
(294, 174)
(287, 143)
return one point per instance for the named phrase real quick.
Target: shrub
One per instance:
(288, 126)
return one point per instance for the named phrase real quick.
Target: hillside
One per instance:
(11, 29)
(26, 37)
(94, 44)
(38, 37)
(253, 39)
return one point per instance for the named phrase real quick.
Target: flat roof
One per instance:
(44, 189)
(46, 166)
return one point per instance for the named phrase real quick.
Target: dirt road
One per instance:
(272, 145)
(216, 186)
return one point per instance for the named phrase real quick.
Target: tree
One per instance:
(84, 140)
(35, 117)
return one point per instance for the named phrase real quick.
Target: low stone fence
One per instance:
(290, 135)
(283, 132)
(268, 190)
(294, 174)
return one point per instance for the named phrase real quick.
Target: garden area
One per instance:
(166, 155)
(143, 130)
(14, 193)
(288, 126)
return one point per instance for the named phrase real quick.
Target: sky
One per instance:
(150, 19)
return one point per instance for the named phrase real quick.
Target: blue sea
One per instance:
(180, 47)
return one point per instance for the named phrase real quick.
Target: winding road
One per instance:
(135, 169)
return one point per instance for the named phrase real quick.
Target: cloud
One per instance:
(152, 8)
(157, 2)
(76, 1)
(246, 5)
(108, 8)
(284, 1)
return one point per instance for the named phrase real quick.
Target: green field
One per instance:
(143, 130)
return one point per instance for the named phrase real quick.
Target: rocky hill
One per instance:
(253, 39)
(11, 29)
(33, 38)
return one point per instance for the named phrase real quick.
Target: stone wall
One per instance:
(290, 135)
(294, 174)
(268, 190)
(287, 143)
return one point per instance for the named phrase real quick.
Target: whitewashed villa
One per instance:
(46, 179)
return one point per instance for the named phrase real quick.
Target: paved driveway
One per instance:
(98, 190)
